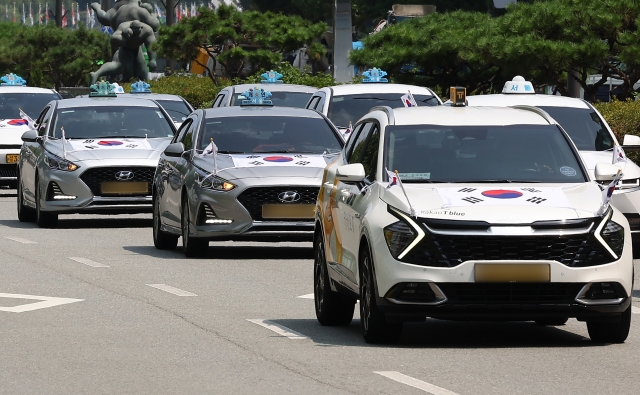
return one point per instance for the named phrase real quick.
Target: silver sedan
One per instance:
(261, 185)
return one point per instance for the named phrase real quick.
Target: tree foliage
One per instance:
(238, 40)
(51, 56)
(543, 41)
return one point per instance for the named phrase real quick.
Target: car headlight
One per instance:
(403, 235)
(611, 235)
(57, 163)
(210, 181)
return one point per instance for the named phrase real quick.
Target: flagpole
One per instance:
(411, 210)
(64, 148)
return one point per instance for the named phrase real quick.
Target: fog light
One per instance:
(602, 293)
(218, 221)
(64, 197)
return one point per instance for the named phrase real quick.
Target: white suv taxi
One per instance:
(590, 133)
(491, 215)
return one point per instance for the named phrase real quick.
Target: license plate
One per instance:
(512, 273)
(12, 158)
(124, 188)
(288, 211)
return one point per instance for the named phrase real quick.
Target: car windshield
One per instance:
(512, 153)
(112, 121)
(584, 126)
(31, 103)
(259, 134)
(349, 108)
(177, 110)
(280, 99)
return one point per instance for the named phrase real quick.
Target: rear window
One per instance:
(584, 126)
(349, 108)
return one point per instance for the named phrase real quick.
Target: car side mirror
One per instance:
(352, 173)
(30, 136)
(175, 149)
(606, 171)
(631, 142)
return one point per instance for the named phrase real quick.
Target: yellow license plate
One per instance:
(124, 188)
(512, 273)
(12, 158)
(288, 211)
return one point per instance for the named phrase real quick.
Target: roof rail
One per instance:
(538, 111)
(388, 110)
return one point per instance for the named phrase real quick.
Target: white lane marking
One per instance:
(307, 296)
(415, 383)
(87, 262)
(44, 302)
(171, 290)
(635, 310)
(20, 240)
(279, 329)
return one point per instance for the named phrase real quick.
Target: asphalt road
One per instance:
(234, 322)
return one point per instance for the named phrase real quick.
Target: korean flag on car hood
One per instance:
(98, 149)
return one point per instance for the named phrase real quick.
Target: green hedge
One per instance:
(624, 118)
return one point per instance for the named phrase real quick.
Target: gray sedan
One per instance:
(105, 163)
(261, 185)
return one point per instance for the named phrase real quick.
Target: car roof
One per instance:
(354, 89)
(504, 100)
(151, 95)
(275, 87)
(105, 102)
(25, 89)
(239, 111)
(466, 116)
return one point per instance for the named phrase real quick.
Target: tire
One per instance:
(25, 213)
(554, 321)
(611, 332)
(192, 247)
(332, 308)
(161, 240)
(43, 218)
(375, 328)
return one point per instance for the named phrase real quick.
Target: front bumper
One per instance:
(8, 171)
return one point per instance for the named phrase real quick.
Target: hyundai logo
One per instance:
(289, 197)
(124, 175)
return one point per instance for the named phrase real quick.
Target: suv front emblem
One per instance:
(124, 175)
(289, 197)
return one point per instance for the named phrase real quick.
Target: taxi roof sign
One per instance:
(102, 89)
(256, 97)
(374, 75)
(271, 77)
(140, 87)
(518, 85)
(458, 96)
(12, 80)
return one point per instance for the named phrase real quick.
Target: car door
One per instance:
(173, 170)
(30, 153)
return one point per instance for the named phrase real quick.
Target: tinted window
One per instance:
(355, 155)
(584, 126)
(31, 103)
(431, 153)
(183, 129)
(280, 99)
(177, 110)
(111, 121)
(350, 108)
(370, 156)
(271, 134)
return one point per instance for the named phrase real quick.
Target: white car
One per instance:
(500, 221)
(590, 133)
(16, 96)
(345, 104)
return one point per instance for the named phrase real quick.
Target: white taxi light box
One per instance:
(518, 85)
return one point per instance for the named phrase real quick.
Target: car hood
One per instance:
(101, 149)
(11, 131)
(235, 166)
(498, 203)
(590, 158)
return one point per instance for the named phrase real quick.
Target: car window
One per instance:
(370, 155)
(177, 109)
(281, 99)
(320, 105)
(43, 121)
(270, 134)
(218, 100)
(188, 138)
(355, 156)
(349, 108)
(183, 129)
(527, 153)
(352, 140)
(584, 126)
(312, 104)
(31, 103)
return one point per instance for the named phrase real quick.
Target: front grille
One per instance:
(450, 251)
(483, 293)
(8, 170)
(94, 176)
(253, 198)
